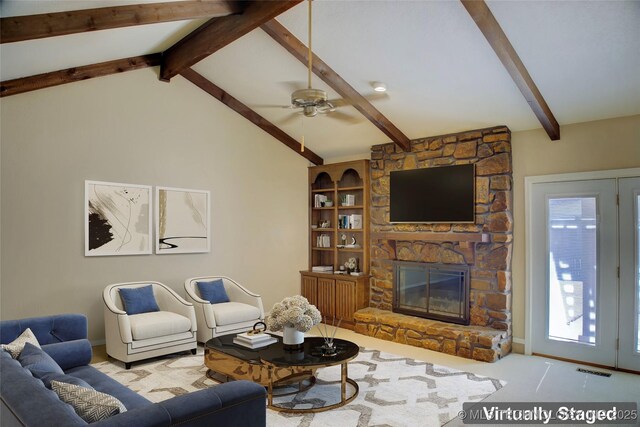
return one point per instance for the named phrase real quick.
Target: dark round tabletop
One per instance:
(275, 354)
(310, 355)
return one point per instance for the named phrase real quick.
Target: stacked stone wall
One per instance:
(489, 262)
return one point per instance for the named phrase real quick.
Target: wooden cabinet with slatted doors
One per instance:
(337, 296)
(310, 289)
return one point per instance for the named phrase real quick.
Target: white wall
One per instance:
(132, 128)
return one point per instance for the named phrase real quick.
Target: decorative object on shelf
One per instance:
(323, 241)
(351, 264)
(328, 203)
(328, 349)
(117, 219)
(294, 316)
(182, 221)
(348, 200)
(325, 223)
(354, 244)
(343, 240)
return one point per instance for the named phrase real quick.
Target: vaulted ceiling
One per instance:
(442, 74)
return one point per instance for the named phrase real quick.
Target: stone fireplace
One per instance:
(482, 249)
(431, 291)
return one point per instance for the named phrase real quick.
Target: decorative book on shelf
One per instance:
(254, 340)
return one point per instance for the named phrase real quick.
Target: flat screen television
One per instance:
(442, 194)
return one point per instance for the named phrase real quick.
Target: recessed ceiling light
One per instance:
(379, 86)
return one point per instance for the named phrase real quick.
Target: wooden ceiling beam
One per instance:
(295, 47)
(30, 27)
(70, 75)
(498, 40)
(218, 33)
(246, 112)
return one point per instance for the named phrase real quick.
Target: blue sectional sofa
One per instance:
(27, 402)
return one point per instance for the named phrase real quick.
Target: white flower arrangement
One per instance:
(351, 264)
(294, 312)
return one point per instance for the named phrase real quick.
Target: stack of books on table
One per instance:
(254, 340)
(322, 269)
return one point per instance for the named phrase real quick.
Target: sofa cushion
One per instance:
(106, 384)
(234, 312)
(158, 324)
(37, 361)
(63, 378)
(213, 291)
(89, 404)
(15, 347)
(138, 300)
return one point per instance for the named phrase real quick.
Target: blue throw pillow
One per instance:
(138, 300)
(63, 378)
(37, 361)
(213, 291)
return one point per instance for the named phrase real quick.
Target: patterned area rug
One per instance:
(394, 390)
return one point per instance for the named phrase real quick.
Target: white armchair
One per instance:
(141, 336)
(242, 311)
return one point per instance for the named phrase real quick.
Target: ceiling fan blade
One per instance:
(287, 107)
(289, 119)
(341, 102)
(347, 118)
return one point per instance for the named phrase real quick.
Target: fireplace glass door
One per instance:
(433, 291)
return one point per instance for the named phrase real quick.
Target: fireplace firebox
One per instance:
(432, 291)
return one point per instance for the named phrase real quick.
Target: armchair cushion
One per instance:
(234, 312)
(38, 362)
(213, 291)
(15, 347)
(158, 324)
(138, 300)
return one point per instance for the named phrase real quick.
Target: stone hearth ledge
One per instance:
(472, 342)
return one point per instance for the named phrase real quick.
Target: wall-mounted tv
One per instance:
(441, 194)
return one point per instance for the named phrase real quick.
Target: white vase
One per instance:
(292, 336)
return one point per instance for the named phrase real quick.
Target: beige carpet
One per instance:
(394, 390)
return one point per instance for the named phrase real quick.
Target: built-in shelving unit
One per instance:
(338, 295)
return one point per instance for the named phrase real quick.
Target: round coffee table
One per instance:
(311, 358)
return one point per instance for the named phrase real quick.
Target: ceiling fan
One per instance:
(312, 101)
(309, 101)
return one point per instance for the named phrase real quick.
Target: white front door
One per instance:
(574, 289)
(629, 323)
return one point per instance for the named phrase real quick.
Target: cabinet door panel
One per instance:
(326, 296)
(345, 300)
(310, 289)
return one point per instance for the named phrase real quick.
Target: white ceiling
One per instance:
(441, 73)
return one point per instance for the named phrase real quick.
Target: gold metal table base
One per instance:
(344, 380)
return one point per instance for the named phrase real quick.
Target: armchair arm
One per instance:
(169, 300)
(239, 293)
(70, 354)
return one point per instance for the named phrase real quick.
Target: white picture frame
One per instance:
(117, 219)
(182, 221)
